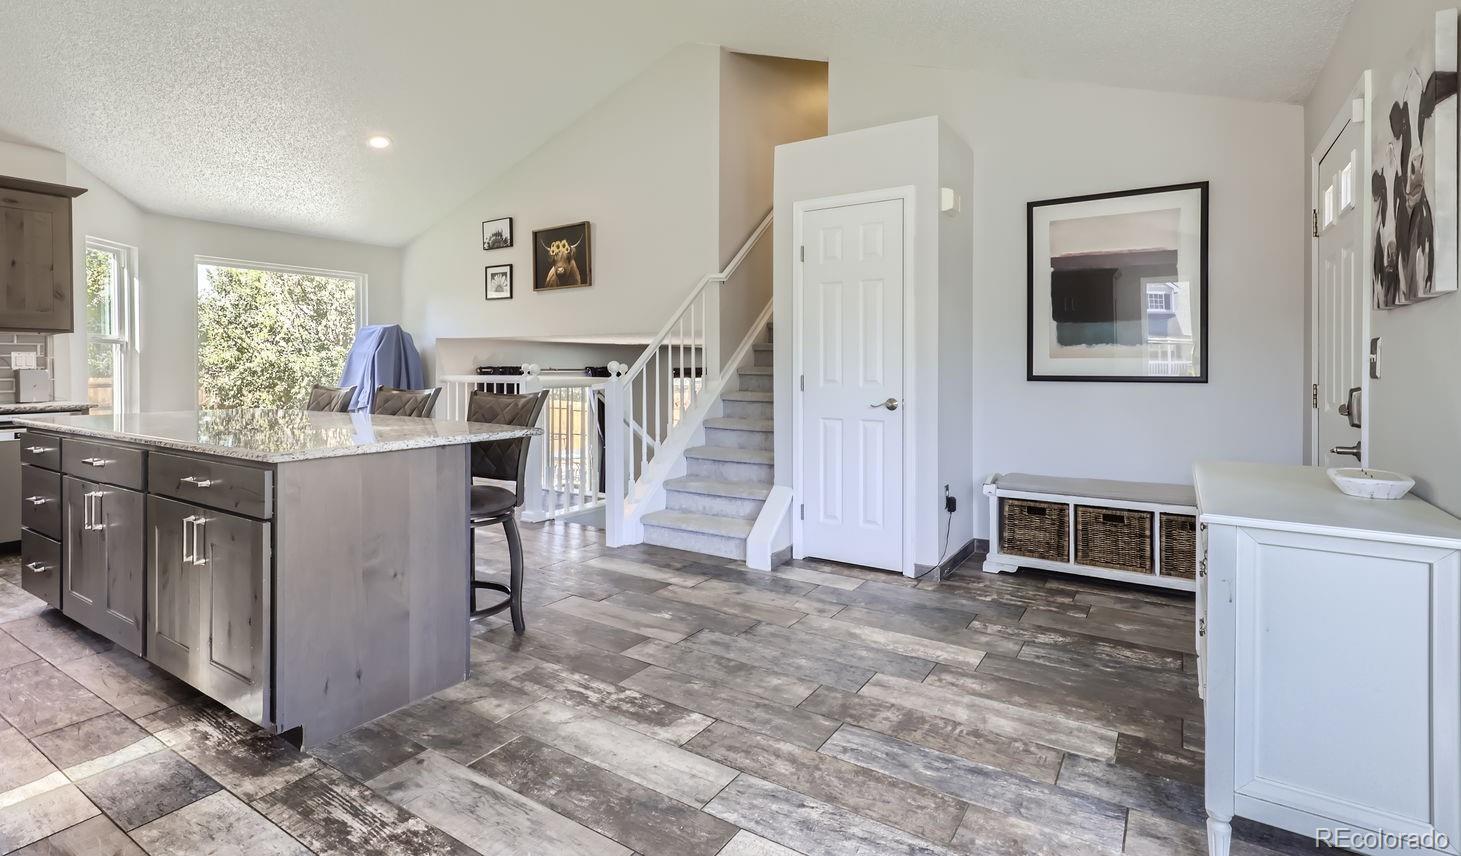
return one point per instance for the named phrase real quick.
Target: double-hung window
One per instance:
(110, 326)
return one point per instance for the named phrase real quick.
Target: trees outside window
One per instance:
(267, 334)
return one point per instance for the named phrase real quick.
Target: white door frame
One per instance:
(907, 194)
(1358, 99)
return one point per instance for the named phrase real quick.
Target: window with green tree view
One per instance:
(266, 333)
(108, 325)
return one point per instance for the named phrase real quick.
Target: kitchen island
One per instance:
(307, 570)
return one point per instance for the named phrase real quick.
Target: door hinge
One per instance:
(1314, 396)
(802, 511)
(1316, 222)
(803, 252)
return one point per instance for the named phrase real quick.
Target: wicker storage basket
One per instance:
(1115, 538)
(1179, 546)
(1037, 530)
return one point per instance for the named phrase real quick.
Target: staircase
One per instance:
(712, 508)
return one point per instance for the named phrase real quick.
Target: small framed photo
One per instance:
(497, 234)
(562, 257)
(499, 282)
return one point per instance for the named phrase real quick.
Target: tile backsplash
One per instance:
(38, 343)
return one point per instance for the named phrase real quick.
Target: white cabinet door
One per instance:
(1347, 680)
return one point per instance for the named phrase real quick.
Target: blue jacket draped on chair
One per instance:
(383, 355)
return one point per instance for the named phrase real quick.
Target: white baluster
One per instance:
(535, 508)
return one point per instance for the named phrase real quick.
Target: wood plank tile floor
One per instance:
(661, 703)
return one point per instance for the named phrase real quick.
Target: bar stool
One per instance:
(390, 401)
(329, 399)
(507, 461)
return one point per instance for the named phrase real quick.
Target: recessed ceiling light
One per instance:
(379, 141)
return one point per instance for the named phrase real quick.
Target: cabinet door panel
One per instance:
(83, 581)
(121, 539)
(176, 589)
(236, 554)
(1341, 651)
(35, 261)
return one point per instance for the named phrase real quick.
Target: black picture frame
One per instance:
(490, 238)
(1202, 350)
(487, 281)
(578, 273)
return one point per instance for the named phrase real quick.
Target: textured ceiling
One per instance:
(255, 111)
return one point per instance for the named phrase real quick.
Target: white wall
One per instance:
(1415, 406)
(640, 166)
(1038, 140)
(880, 158)
(170, 291)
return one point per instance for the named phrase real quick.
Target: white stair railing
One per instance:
(668, 384)
(565, 474)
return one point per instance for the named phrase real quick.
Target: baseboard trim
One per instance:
(973, 546)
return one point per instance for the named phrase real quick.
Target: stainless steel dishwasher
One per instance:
(9, 481)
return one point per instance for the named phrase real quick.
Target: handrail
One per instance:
(658, 341)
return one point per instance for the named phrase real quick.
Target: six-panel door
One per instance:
(102, 577)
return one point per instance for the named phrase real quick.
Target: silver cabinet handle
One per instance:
(890, 404)
(187, 530)
(38, 500)
(39, 450)
(94, 511)
(197, 481)
(200, 528)
(95, 462)
(36, 567)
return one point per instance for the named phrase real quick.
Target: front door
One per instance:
(851, 424)
(1341, 303)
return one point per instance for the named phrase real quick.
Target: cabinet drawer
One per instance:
(40, 450)
(40, 500)
(40, 567)
(226, 487)
(103, 462)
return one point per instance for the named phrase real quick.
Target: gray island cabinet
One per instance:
(307, 570)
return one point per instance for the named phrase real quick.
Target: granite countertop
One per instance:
(275, 436)
(45, 407)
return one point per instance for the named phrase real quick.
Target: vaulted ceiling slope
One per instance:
(256, 111)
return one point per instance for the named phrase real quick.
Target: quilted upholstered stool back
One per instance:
(329, 399)
(504, 460)
(404, 402)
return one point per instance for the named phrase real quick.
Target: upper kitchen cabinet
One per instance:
(35, 255)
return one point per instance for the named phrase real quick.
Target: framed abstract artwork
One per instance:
(1415, 173)
(1117, 286)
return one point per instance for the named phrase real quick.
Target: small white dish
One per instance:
(1367, 483)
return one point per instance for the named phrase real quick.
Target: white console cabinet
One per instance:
(1328, 627)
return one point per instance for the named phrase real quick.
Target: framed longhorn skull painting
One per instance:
(562, 257)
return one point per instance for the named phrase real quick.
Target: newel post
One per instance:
(616, 454)
(537, 500)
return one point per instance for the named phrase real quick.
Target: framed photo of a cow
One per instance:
(562, 257)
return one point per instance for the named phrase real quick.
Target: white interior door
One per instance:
(851, 422)
(1341, 301)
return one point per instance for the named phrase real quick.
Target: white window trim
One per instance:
(127, 304)
(362, 282)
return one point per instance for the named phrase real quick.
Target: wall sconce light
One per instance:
(949, 202)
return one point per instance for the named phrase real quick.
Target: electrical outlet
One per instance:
(22, 359)
(951, 504)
